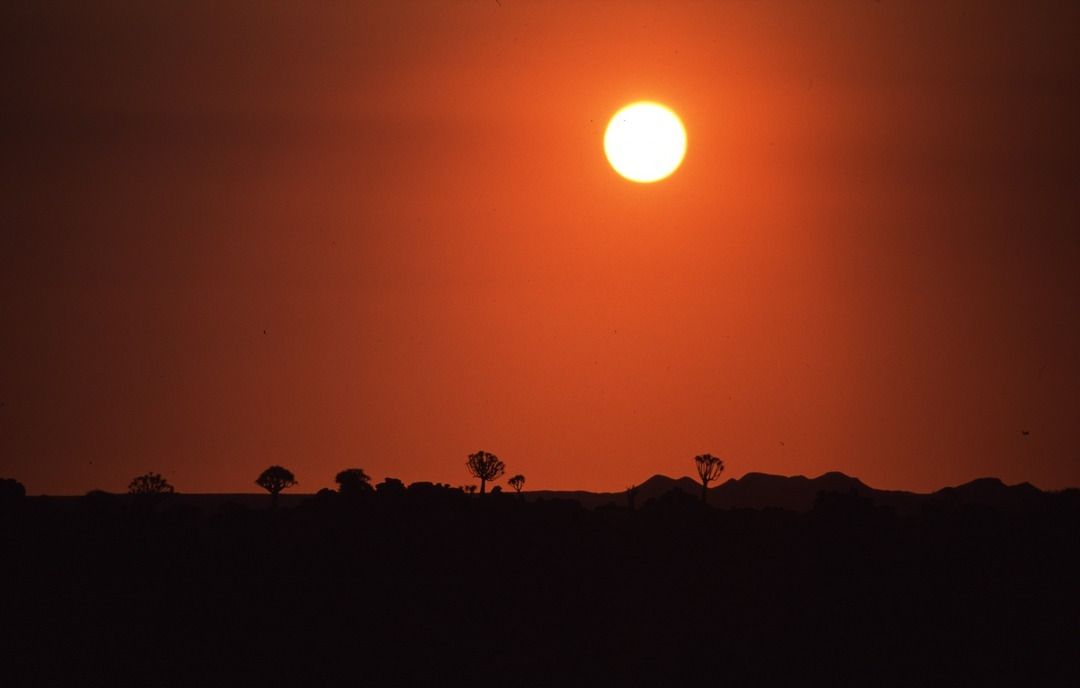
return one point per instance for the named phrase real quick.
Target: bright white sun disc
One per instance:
(645, 142)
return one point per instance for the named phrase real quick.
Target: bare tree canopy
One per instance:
(485, 466)
(709, 469)
(150, 484)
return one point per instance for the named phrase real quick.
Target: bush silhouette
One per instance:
(274, 480)
(150, 484)
(11, 490)
(353, 482)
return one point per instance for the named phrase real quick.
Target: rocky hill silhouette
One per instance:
(798, 493)
(991, 492)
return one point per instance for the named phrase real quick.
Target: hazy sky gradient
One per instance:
(238, 234)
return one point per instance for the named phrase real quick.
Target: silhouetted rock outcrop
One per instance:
(990, 492)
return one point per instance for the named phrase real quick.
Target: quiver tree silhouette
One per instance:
(353, 482)
(274, 480)
(485, 466)
(709, 469)
(517, 482)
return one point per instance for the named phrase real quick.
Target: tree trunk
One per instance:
(482, 484)
(273, 500)
(704, 492)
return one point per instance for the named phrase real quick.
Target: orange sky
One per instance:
(240, 234)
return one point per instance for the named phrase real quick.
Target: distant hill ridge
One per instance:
(763, 490)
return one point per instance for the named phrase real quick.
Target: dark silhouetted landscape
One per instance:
(771, 580)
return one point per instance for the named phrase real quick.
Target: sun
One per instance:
(645, 142)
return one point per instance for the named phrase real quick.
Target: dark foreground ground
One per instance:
(435, 587)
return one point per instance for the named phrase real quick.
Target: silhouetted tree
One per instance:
(353, 482)
(486, 467)
(517, 482)
(274, 480)
(709, 469)
(150, 485)
(11, 490)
